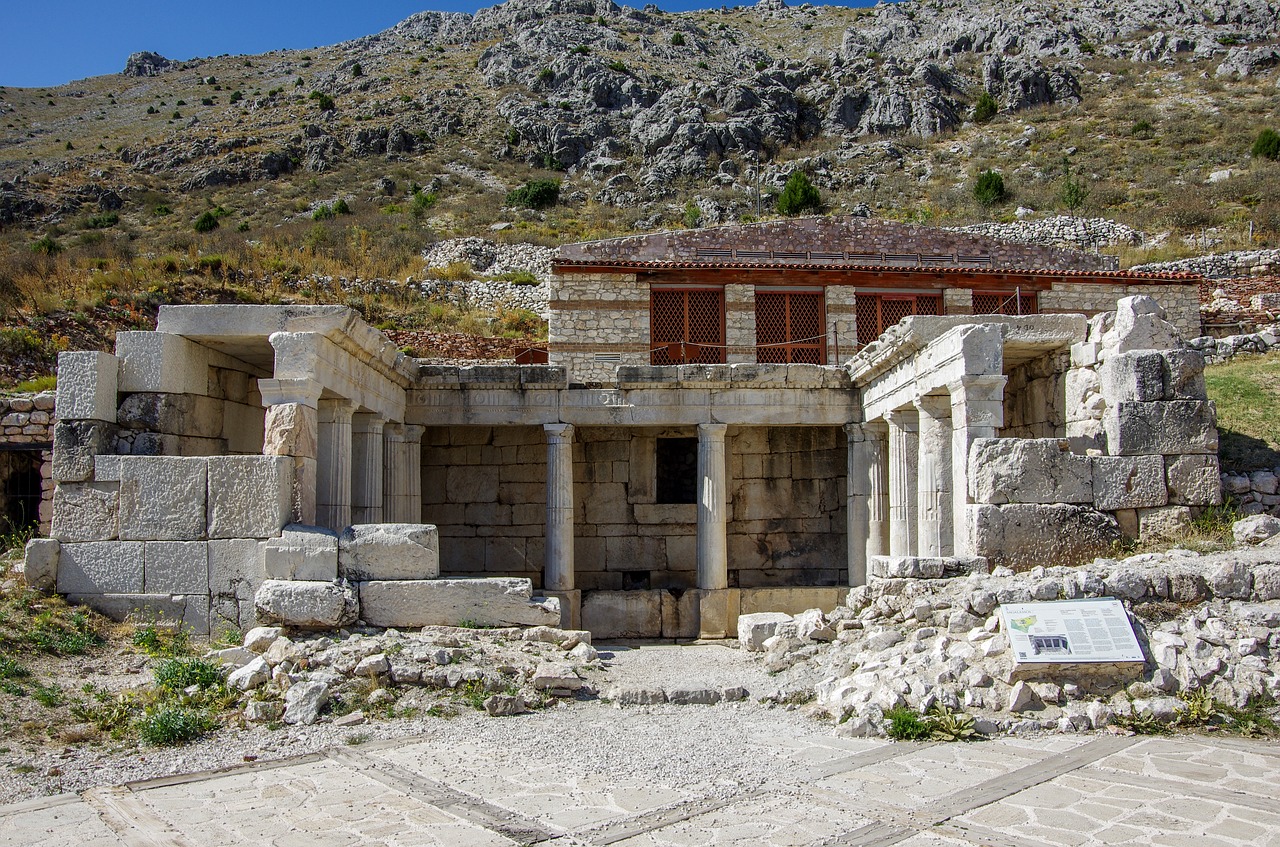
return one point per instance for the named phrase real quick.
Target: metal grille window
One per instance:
(1003, 303)
(790, 328)
(878, 312)
(687, 326)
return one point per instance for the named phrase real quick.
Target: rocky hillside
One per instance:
(653, 119)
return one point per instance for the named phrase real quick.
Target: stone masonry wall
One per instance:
(594, 315)
(1035, 398)
(26, 423)
(485, 490)
(1181, 303)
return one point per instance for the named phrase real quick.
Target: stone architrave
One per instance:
(386, 551)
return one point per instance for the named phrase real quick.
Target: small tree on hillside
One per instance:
(988, 189)
(799, 196)
(986, 107)
(1267, 145)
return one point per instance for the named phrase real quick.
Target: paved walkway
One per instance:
(1057, 790)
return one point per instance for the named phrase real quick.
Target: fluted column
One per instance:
(713, 517)
(402, 473)
(366, 468)
(977, 411)
(865, 511)
(558, 568)
(903, 443)
(933, 519)
(333, 484)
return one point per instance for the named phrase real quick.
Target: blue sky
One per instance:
(58, 41)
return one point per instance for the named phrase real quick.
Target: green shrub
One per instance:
(618, 66)
(357, 70)
(906, 725)
(167, 726)
(206, 222)
(323, 101)
(177, 674)
(162, 211)
(46, 245)
(102, 220)
(535, 194)
(545, 76)
(986, 108)
(692, 215)
(1267, 145)
(677, 39)
(161, 640)
(422, 202)
(988, 189)
(1142, 129)
(341, 207)
(324, 212)
(799, 195)
(236, 97)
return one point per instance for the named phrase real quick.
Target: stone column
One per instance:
(366, 468)
(557, 572)
(713, 513)
(934, 503)
(977, 411)
(402, 473)
(903, 443)
(867, 526)
(291, 429)
(333, 485)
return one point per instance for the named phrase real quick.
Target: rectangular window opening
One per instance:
(677, 470)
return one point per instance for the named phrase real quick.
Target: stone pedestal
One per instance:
(402, 473)
(977, 411)
(904, 428)
(558, 568)
(934, 507)
(333, 470)
(366, 469)
(713, 518)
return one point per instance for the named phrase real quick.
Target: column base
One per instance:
(570, 607)
(718, 612)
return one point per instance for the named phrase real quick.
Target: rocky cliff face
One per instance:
(634, 102)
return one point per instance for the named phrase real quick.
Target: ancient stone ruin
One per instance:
(733, 428)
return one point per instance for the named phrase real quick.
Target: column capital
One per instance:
(370, 423)
(413, 432)
(337, 409)
(977, 387)
(934, 405)
(558, 431)
(276, 392)
(712, 431)
(904, 418)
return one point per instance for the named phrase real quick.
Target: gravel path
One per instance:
(678, 745)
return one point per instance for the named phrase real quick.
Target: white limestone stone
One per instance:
(1128, 482)
(249, 496)
(449, 602)
(85, 512)
(755, 629)
(623, 614)
(75, 446)
(1194, 480)
(255, 673)
(1140, 325)
(907, 567)
(1028, 470)
(162, 362)
(311, 605)
(1255, 529)
(105, 567)
(389, 551)
(1183, 374)
(303, 701)
(1163, 522)
(40, 565)
(87, 385)
(291, 429)
(162, 498)
(175, 567)
(260, 638)
(236, 567)
(1137, 375)
(302, 553)
(1019, 535)
(1170, 428)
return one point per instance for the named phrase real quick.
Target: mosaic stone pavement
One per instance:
(1012, 792)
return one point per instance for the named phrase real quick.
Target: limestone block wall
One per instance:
(842, 322)
(598, 322)
(26, 435)
(1035, 398)
(1181, 303)
(485, 490)
(740, 323)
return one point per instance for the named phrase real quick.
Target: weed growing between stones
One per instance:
(939, 723)
(161, 640)
(906, 725)
(1202, 712)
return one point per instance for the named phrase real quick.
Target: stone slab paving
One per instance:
(1010, 792)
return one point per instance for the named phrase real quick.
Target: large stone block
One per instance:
(291, 429)
(1166, 428)
(450, 602)
(1163, 522)
(40, 564)
(1137, 375)
(1183, 374)
(389, 551)
(1028, 470)
(87, 384)
(85, 512)
(1140, 325)
(237, 567)
(190, 415)
(1194, 480)
(249, 496)
(303, 553)
(756, 628)
(75, 444)
(100, 567)
(162, 498)
(1023, 536)
(189, 610)
(175, 567)
(162, 362)
(310, 605)
(717, 612)
(1128, 482)
(623, 614)
(791, 600)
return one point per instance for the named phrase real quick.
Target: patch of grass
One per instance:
(473, 693)
(56, 632)
(40, 383)
(177, 674)
(906, 725)
(161, 640)
(50, 696)
(167, 726)
(1246, 391)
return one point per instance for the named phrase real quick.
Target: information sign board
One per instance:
(1069, 631)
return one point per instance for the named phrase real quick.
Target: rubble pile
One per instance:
(1206, 623)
